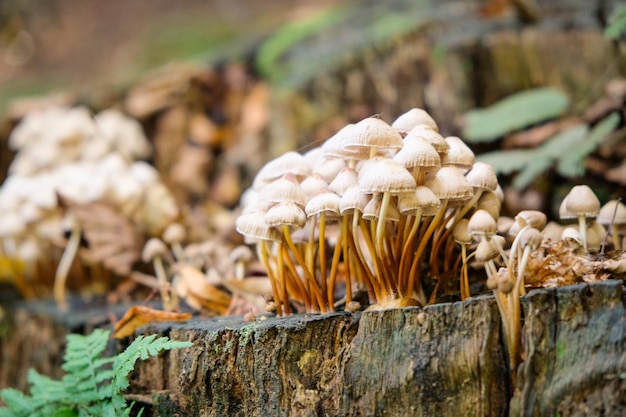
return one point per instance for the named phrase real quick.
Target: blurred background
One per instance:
(221, 87)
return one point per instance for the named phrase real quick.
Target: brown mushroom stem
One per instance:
(313, 287)
(322, 251)
(406, 249)
(273, 282)
(438, 238)
(333, 273)
(465, 290)
(369, 275)
(159, 270)
(63, 269)
(297, 287)
(413, 272)
(514, 252)
(345, 233)
(280, 266)
(382, 285)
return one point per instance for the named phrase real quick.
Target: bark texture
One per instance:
(575, 353)
(441, 360)
(446, 359)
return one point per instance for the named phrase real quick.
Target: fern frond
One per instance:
(141, 348)
(44, 390)
(18, 404)
(92, 386)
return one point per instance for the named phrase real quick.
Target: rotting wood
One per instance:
(445, 359)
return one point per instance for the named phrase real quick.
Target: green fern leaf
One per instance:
(512, 113)
(17, 403)
(571, 163)
(44, 390)
(617, 23)
(92, 386)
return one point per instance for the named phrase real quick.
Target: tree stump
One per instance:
(445, 359)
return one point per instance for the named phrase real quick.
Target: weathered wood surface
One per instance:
(446, 359)
(575, 353)
(442, 360)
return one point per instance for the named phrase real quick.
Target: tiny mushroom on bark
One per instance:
(154, 251)
(174, 235)
(613, 215)
(581, 202)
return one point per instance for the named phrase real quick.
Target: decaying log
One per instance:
(575, 353)
(446, 359)
(435, 361)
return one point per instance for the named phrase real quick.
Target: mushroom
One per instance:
(461, 235)
(581, 202)
(325, 206)
(154, 251)
(253, 227)
(174, 235)
(414, 117)
(613, 215)
(63, 268)
(239, 257)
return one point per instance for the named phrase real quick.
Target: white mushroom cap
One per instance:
(252, 225)
(605, 215)
(291, 162)
(432, 136)
(324, 202)
(174, 233)
(154, 247)
(459, 154)
(372, 133)
(414, 117)
(582, 201)
(448, 183)
(80, 182)
(353, 199)
(312, 184)
(418, 152)
(285, 188)
(422, 199)
(345, 179)
(482, 176)
(386, 175)
(123, 134)
(481, 224)
(285, 213)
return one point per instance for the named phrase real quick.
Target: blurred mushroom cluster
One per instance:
(67, 159)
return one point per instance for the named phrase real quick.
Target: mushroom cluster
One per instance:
(373, 206)
(68, 154)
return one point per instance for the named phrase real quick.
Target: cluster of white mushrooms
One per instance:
(377, 205)
(69, 153)
(392, 194)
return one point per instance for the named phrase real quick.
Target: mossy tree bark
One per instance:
(447, 359)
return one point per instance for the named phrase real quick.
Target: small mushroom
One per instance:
(613, 215)
(239, 258)
(63, 268)
(154, 251)
(174, 235)
(581, 202)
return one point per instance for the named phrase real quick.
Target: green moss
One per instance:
(246, 333)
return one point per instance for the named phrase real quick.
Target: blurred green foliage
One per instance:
(512, 113)
(565, 152)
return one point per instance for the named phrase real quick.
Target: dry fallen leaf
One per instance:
(113, 240)
(193, 286)
(138, 316)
